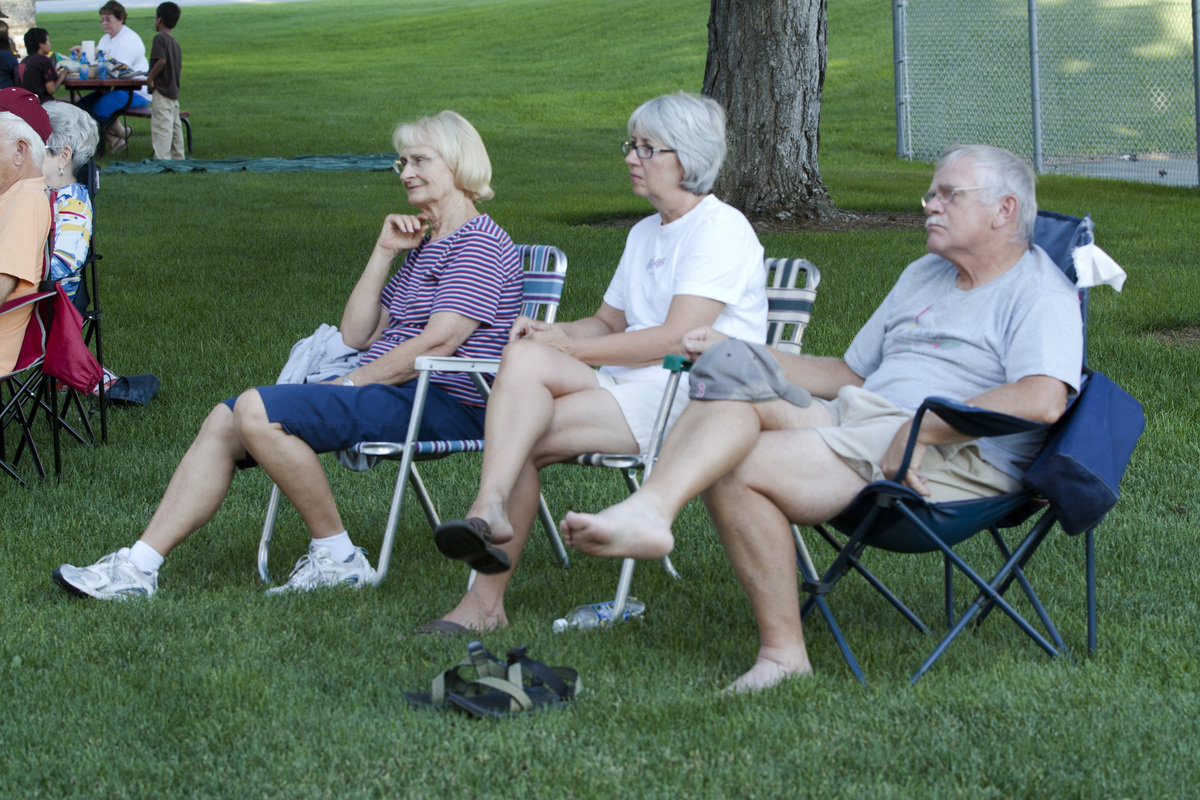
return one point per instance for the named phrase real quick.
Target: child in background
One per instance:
(166, 131)
(37, 73)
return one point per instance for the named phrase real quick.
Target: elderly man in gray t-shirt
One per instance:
(985, 318)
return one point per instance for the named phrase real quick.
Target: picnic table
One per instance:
(80, 86)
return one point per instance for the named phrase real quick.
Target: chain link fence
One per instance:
(1080, 87)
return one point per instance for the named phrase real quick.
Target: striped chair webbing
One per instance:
(427, 449)
(786, 273)
(791, 292)
(541, 289)
(545, 268)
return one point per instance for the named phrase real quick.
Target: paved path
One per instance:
(49, 6)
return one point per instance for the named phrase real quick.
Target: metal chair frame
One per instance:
(791, 291)
(545, 272)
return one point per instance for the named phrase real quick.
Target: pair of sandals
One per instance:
(498, 688)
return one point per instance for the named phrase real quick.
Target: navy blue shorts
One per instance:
(331, 417)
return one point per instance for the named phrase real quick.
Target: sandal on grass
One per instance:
(456, 678)
(470, 540)
(528, 686)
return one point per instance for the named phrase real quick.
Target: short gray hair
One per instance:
(691, 125)
(1002, 173)
(13, 129)
(72, 127)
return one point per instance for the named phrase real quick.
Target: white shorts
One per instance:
(640, 400)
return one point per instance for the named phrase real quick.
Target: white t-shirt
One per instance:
(929, 338)
(710, 252)
(128, 48)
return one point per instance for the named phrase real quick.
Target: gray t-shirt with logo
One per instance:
(929, 338)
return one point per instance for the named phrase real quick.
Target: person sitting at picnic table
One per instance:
(695, 262)
(72, 143)
(24, 212)
(37, 72)
(457, 292)
(986, 318)
(122, 44)
(8, 56)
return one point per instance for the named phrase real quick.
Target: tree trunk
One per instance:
(766, 66)
(21, 17)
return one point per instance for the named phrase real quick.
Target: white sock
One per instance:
(339, 545)
(145, 557)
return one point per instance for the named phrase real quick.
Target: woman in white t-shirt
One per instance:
(695, 262)
(123, 45)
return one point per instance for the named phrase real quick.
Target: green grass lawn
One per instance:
(214, 690)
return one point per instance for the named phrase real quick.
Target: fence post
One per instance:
(900, 79)
(1035, 87)
(1196, 78)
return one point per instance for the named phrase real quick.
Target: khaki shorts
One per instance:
(865, 424)
(639, 402)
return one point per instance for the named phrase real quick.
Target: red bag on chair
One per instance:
(68, 357)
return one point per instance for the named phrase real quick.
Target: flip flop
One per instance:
(455, 679)
(470, 540)
(528, 686)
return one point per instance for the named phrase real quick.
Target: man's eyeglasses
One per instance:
(644, 151)
(946, 194)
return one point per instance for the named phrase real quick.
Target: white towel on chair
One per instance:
(1094, 267)
(319, 356)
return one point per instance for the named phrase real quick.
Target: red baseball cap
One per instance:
(26, 106)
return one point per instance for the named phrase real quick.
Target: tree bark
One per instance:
(22, 15)
(766, 66)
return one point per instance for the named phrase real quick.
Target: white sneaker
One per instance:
(318, 568)
(114, 577)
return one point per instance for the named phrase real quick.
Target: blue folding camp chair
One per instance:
(545, 270)
(1072, 482)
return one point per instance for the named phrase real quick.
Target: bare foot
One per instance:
(768, 672)
(496, 518)
(472, 612)
(620, 531)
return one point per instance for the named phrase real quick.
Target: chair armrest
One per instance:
(677, 364)
(456, 364)
(975, 421)
(966, 419)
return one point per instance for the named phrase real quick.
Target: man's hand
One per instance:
(894, 455)
(698, 340)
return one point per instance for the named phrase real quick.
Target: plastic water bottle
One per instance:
(83, 67)
(598, 615)
(101, 70)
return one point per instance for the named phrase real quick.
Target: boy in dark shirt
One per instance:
(166, 131)
(37, 73)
